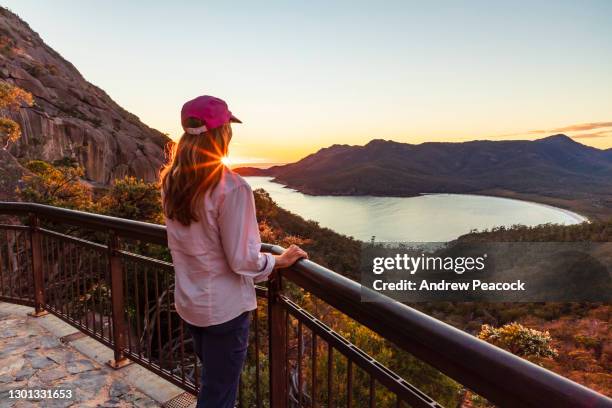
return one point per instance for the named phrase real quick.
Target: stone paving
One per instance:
(32, 357)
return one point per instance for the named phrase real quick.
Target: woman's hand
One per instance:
(290, 256)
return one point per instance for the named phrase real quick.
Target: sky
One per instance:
(306, 75)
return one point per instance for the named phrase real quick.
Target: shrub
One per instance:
(133, 199)
(59, 186)
(519, 340)
(11, 99)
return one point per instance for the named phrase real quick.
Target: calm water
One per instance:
(428, 218)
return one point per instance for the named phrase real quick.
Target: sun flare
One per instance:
(226, 161)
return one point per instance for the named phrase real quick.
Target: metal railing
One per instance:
(112, 279)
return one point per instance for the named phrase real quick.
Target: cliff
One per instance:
(71, 117)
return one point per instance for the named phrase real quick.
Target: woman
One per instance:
(214, 239)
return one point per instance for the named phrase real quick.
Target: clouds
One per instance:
(603, 133)
(592, 130)
(574, 128)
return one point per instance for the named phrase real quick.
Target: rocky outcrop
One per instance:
(70, 116)
(11, 173)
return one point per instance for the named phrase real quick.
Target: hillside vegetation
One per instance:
(579, 332)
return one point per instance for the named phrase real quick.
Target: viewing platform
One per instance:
(103, 319)
(47, 353)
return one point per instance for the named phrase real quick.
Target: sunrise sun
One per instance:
(226, 161)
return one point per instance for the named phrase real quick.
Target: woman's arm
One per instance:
(241, 240)
(240, 235)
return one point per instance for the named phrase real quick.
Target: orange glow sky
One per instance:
(306, 75)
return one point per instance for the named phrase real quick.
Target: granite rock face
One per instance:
(70, 116)
(11, 173)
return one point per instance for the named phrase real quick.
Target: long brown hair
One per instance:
(194, 166)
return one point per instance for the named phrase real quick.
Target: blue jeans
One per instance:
(222, 349)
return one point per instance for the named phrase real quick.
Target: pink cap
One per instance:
(213, 112)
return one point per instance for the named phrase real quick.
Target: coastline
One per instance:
(580, 218)
(579, 210)
(587, 209)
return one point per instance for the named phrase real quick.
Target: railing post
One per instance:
(117, 302)
(37, 267)
(278, 345)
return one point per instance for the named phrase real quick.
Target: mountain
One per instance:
(552, 168)
(71, 117)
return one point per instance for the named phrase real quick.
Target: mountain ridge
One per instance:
(554, 168)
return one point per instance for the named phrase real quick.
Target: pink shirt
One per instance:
(217, 259)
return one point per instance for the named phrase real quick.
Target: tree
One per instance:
(11, 99)
(60, 186)
(133, 199)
